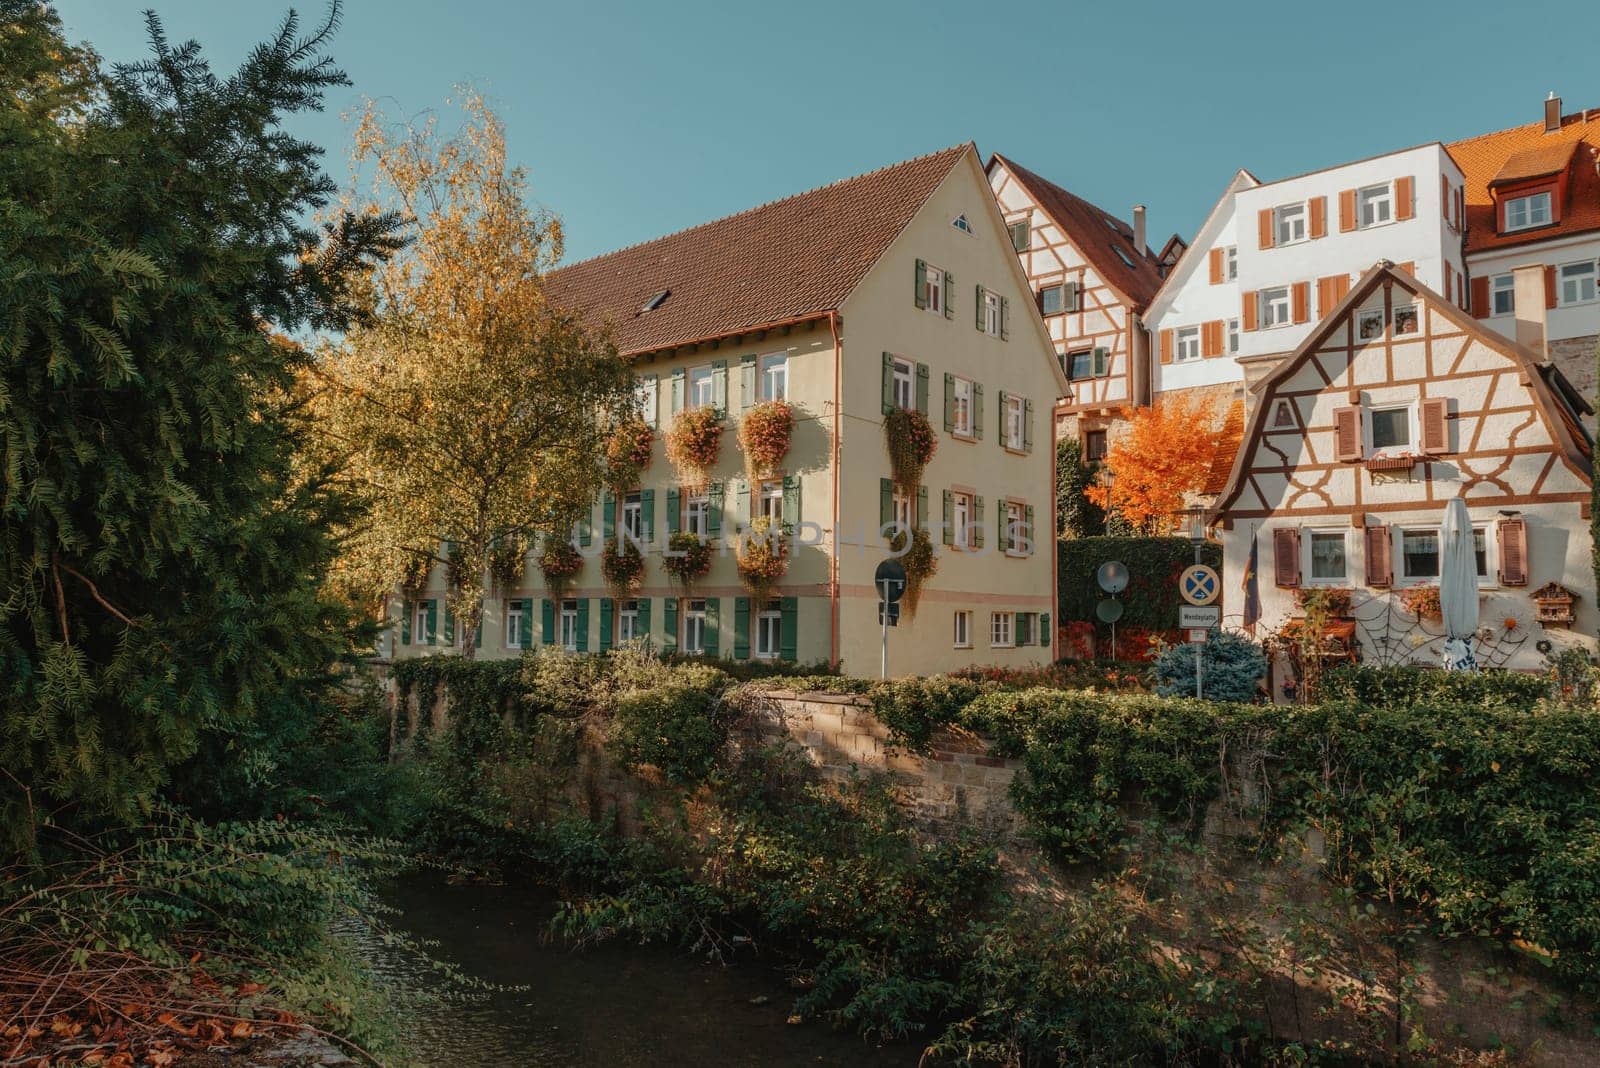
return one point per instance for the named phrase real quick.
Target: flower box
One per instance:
(1402, 462)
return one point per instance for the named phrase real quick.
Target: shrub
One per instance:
(1076, 515)
(913, 708)
(1233, 668)
(1154, 564)
(678, 728)
(1401, 686)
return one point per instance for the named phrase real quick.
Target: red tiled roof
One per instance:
(1229, 435)
(1527, 151)
(1097, 234)
(780, 262)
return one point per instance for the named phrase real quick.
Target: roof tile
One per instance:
(1527, 151)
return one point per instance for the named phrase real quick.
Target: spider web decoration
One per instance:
(1391, 636)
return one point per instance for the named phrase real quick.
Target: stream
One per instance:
(616, 1005)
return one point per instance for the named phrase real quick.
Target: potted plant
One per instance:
(688, 558)
(764, 435)
(1422, 601)
(694, 441)
(911, 443)
(763, 559)
(559, 562)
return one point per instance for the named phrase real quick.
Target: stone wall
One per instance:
(1575, 356)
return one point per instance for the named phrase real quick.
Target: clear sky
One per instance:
(638, 119)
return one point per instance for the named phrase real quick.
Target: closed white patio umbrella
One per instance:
(1458, 586)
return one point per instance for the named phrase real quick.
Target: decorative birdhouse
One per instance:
(1553, 603)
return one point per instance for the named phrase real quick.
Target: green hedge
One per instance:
(1400, 686)
(1154, 564)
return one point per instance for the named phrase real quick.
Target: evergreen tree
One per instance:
(1076, 515)
(1234, 667)
(160, 547)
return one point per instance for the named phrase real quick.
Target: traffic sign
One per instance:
(890, 580)
(1108, 609)
(1197, 616)
(1199, 584)
(1198, 637)
(1112, 576)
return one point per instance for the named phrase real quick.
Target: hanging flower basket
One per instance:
(694, 441)
(763, 559)
(764, 434)
(1422, 601)
(628, 452)
(911, 443)
(688, 558)
(507, 561)
(920, 562)
(623, 567)
(414, 580)
(559, 562)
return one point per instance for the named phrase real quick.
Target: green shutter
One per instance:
(949, 518)
(922, 284)
(791, 503)
(583, 625)
(606, 613)
(677, 390)
(449, 625)
(921, 518)
(888, 383)
(1102, 361)
(1024, 625)
(647, 514)
(586, 526)
(608, 521)
(977, 522)
(1005, 319)
(949, 402)
(547, 610)
(405, 622)
(1027, 528)
(1002, 540)
(885, 502)
(742, 512)
(713, 614)
(788, 640)
(747, 380)
(477, 635)
(642, 623)
(433, 623)
(1044, 628)
(977, 410)
(978, 303)
(741, 628)
(1004, 435)
(652, 412)
(714, 498)
(719, 386)
(1027, 426)
(674, 509)
(1069, 297)
(669, 620)
(922, 388)
(949, 295)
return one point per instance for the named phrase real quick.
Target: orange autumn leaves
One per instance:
(1160, 459)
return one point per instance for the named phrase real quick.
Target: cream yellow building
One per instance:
(895, 288)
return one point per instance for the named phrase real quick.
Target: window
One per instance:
(769, 631)
(775, 376)
(991, 313)
(694, 628)
(769, 501)
(1405, 319)
(1016, 528)
(962, 636)
(1188, 343)
(1327, 550)
(1577, 283)
(419, 624)
(1016, 419)
(655, 301)
(1094, 444)
(628, 622)
(1233, 337)
(1289, 224)
(962, 519)
(1021, 235)
(633, 516)
(1420, 552)
(1283, 415)
(961, 421)
(905, 384)
(697, 513)
(900, 505)
(515, 638)
(960, 223)
(645, 393)
(1374, 205)
(1391, 428)
(1052, 300)
(1275, 307)
(1369, 324)
(569, 626)
(933, 290)
(1230, 262)
(1502, 295)
(1080, 364)
(1529, 211)
(1000, 630)
(1123, 256)
(702, 388)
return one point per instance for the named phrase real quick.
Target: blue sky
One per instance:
(638, 119)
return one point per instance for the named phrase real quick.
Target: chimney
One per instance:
(1527, 295)
(1138, 229)
(1552, 114)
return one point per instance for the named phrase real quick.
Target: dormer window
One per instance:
(656, 301)
(1524, 213)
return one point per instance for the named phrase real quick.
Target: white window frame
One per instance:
(1308, 564)
(1060, 290)
(933, 289)
(1270, 300)
(1502, 285)
(769, 631)
(697, 512)
(1016, 420)
(419, 623)
(1374, 197)
(1230, 261)
(991, 313)
(1582, 271)
(961, 628)
(1001, 629)
(1405, 578)
(961, 419)
(694, 628)
(1534, 208)
(1016, 520)
(516, 626)
(768, 503)
(704, 379)
(1188, 346)
(1398, 316)
(900, 511)
(632, 517)
(905, 384)
(1369, 422)
(569, 625)
(627, 621)
(1233, 337)
(1289, 224)
(1369, 315)
(961, 517)
(774, 372)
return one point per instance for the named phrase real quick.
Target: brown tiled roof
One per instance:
(1097, 234)
(1488, 157)
(780, 262)
(1229, 435)
(1538, 162)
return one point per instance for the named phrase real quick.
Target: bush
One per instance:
(913, 708)
(1151, 600)
(1401, 686)
(678, 728)
(1233, 668)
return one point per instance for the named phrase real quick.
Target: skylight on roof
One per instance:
(656, 301)
(1123, 255)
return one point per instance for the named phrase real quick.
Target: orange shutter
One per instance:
(1347, 210)
(1513, 537)
(1330, 291)
(1404, 194)
(1341, 287)
(1319, 217)
(1380, 568)
(1211, 338)
(1166, 346)
(1449, 283)
(1480, 298)
(1301, 301)
(1286, 556)
(1248, 313)
(1347, 434)
(1216, 266)
(1549, 287)
(1264, 227)
(1444, 196)
(1435, 428)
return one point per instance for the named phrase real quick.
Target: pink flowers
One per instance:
(764, 433)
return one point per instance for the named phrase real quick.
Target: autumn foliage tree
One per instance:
(1159, 460)
(468, 410)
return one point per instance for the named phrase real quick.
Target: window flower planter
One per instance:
(764, 435)
(623, 567)
(763, 559)
(911, 443)
(695, 440)
(688, 558)
(1401, 462)
(559, 562)
(628, 452)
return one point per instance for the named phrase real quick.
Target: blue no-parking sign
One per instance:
(1199, 584)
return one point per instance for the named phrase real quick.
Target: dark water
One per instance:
(614, 1005)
